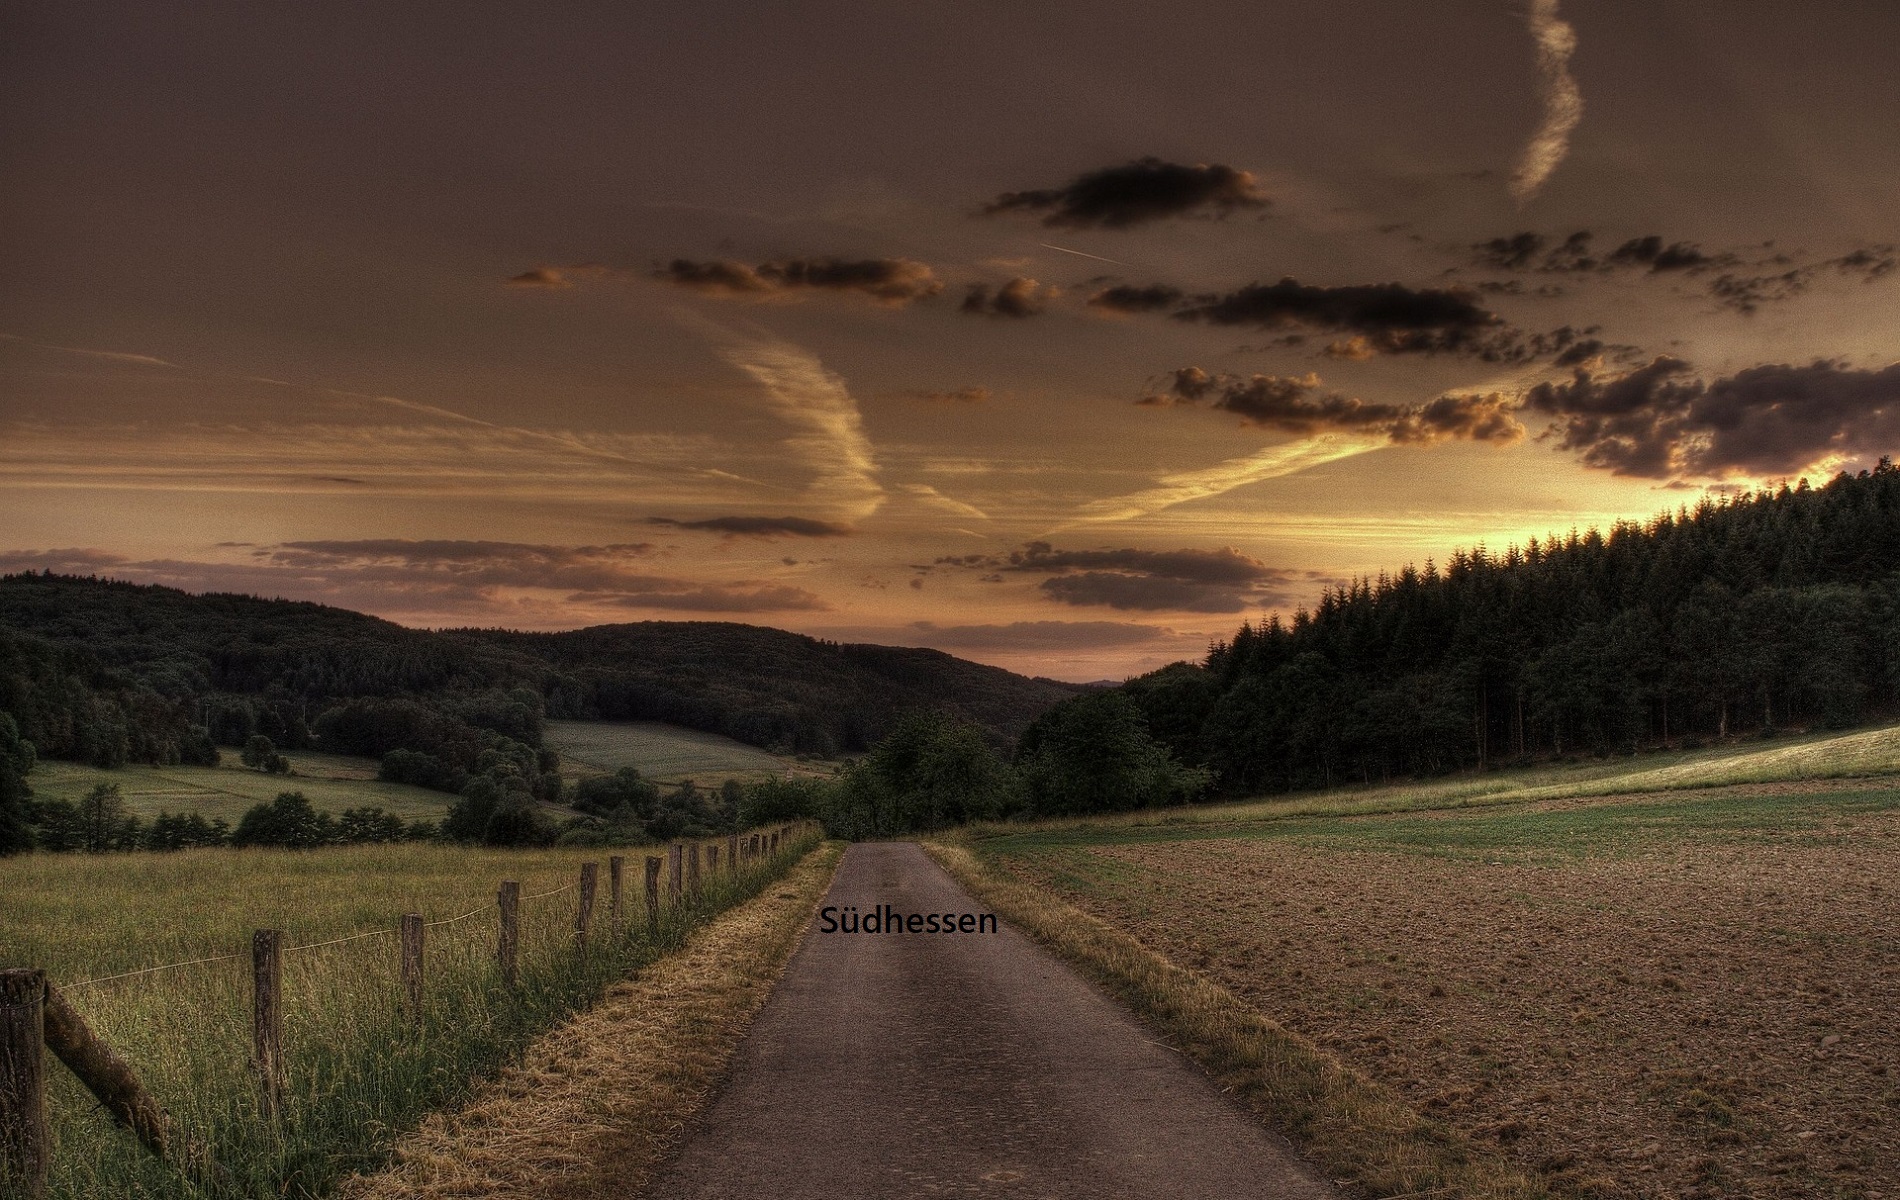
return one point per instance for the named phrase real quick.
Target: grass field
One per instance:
(1802, 759)
(332, 782)
(666, 753)
(360, 1073)
(1624, 990)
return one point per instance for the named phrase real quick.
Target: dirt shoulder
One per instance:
(598, 1102)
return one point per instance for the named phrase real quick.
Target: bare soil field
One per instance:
(1683, 996)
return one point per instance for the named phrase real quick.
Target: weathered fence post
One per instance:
(117, 1087)
(584, 918)
(267, 1019)
(509, 898)
(675, 858)
(24, 1156)
(692, 869)
(653, 894)
(712, 860)
(412, 965)
(616, 866)
(775, 843)
(732, 854)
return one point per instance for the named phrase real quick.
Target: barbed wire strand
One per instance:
(465, 916)
(196, 962)
(557, 891)
(338, 941)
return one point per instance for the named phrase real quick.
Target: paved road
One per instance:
(975, 1064)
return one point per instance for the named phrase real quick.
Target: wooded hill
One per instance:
(109, 672)
(1744, 615)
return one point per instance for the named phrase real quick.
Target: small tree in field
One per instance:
(104, 823)
(260, 754)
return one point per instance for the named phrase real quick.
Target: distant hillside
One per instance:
(109, 672)
(765, 687)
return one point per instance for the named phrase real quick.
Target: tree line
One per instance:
(1748, 614)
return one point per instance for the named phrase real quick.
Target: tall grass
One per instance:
(360, 1071)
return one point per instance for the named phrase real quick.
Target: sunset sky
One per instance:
(1058, 336)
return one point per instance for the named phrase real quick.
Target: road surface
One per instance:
(899, 1065)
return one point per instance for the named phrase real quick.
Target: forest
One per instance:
(1743, 615)
(109, 673)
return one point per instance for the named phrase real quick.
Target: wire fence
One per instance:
(250, 1054)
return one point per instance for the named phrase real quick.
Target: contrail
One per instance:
(1183, 486)
(1563, 103)
(1098, 258)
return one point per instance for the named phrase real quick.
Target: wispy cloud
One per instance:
(1562, 101)
(831, 438)
(1183, 486)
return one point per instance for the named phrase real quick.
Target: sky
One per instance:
(1062, 337)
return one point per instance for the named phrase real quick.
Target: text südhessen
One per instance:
(885, 919)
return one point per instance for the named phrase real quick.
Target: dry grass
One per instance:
(1357, 1130)
(599, 1102)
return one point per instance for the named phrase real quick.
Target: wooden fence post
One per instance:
(775, 843)
(109, 1078)
(616, 866)
(692, 869)
(712, 860)
(24, 1155)
(510, 900)
(675, 858)
(584, 918)
(412, 965)
(732, 854)
(653, 893)
(267, 1019)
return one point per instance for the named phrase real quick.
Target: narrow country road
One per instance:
(897, 1065)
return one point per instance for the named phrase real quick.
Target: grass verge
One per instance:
(1355, 1129)
(360, 1069)
(598, 1103)
(1872, 754)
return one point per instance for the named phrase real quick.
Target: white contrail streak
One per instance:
(1080, 254)
(1563, 103)
(1183, 486)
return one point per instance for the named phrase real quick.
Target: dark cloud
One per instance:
(1124, 298)
(1747, 293)
(402, 576)
(1020, 297)
(1208, 581)
(1390, 317)
(1142, 593)
(1661, 421)
(893, 281)
(1136, 194)
(74, 561)
(1530, 251)
(1299, 406)
(1579, 352)
(1744, 285)
(765, 527)
(681, 596)
(969, 395)
(1676, 256)
(1226, 565)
